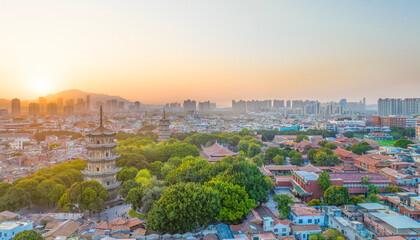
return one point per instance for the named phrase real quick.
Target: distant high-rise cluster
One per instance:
(398, 106)
(302, 107)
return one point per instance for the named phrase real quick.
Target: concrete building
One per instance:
(278, 227)
(301, 214)
(9, 229)
(15, 107)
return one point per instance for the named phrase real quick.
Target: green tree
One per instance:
(191, 170)
(127, 186)
(245, 132)
(336, 195)
(271, 153)
(50, 191)
(322, 143)
(322, 158)
(402, 143)
(134, 197)
(88, 195)
(14, 199)
(284, 204)
(28, 235)
(373, 189)
(4, 186)
(315, 202)
(150, 196)
(311, 155)
(331, 145)
(324, 180)
(258, 159)
(156, 169)
(360, 148)
(279, 160)
(247, 175)
(392, 189)
(177, 149)
(365, 181)
(135, 160)
(373, 198)
(253, 150)
(169, 213)
(348, 134)
(301, 137)
(127, 173)
(355, 200)
(297, 159)
(234, 201)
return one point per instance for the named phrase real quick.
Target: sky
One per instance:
(166, 51)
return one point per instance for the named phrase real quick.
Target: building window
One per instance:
(300, 221)
(97, 169)
(276, 229)
(309, 220)
(284, 229)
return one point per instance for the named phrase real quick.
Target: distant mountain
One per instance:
(67, 94)
(76, 94)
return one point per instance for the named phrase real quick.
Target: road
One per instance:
(115, 212)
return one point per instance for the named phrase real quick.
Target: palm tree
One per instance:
(365, 181)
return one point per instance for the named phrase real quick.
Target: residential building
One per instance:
(15, 107)
(278, 227)
(190, 105)
(9, 229)
(389, 121)
(303, 232)
(300, 214)
(388, 223)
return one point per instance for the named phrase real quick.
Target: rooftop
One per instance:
(8, 225)
(308, 175)
(371, 206)
(398, 221)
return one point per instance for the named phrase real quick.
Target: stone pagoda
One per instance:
(101, 159)
(163, 132)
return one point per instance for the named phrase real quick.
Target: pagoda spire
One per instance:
(164, 114)
(100, 116)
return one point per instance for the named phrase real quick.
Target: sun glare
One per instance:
(41, 85)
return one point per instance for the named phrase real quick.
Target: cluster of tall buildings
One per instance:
(398, 106)
(302, 107)
(191, 106)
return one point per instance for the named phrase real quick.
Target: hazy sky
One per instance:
(161, 51)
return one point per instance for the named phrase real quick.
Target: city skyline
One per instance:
(158, 53)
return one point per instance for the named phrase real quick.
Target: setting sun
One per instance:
(41, 85)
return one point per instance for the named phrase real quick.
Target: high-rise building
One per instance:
(52, 109)
(136, 106)
(239, 106)
(3, 112)
(343, 103)
(204, 106)
(16, 107)
(88, 106)
(68, 110)
(42, 105)
(80, 105)
(121, 106)
(288, 104)
(101, 159)
(34, 109)
(60, 105)
(70, 102)
(277, 104)
(190, 105)
(397, 106)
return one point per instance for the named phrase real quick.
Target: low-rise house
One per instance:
(278, 227)
(370, 164)
(353, 230)
(8, 216)
(388, 223)
(301, 215)
(405, 203)
(8, 229)
(303, 232)
(65, 229)
(345, 156)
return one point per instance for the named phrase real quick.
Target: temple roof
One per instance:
(101, 130)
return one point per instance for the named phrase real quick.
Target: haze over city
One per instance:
(165, 51)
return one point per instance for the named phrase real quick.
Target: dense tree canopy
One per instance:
(324, 181)
(284, 204)
(88, 195)
(402, 143)
(28, 235)
(336, 195)
(184, 207)
(360, 148)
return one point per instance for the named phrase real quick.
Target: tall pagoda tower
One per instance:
(101, 159)
(163, 132)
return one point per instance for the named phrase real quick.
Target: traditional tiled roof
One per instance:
(309, 168)
(355, 177)
(216, 152)
(305, 211)
(344, 153)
